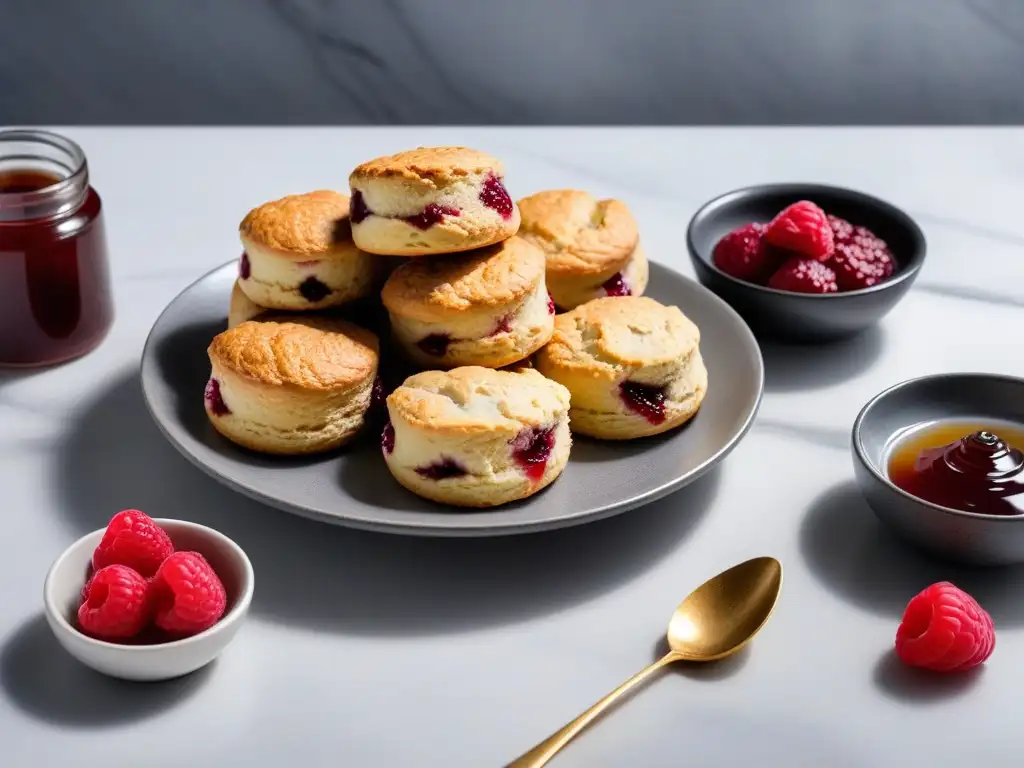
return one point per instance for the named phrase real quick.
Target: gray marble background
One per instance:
(511, 61)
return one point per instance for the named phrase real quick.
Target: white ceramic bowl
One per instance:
(62, 593)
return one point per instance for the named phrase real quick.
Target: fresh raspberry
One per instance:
(802, 228)
(115, 603)
(945, 630)
(859, 267)
(842, 230)
(133, 539)
(742, 254)
(804, 276)
(187, 595)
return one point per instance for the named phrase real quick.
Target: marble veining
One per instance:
(452, 62)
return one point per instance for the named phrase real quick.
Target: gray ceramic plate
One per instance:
(354, 487)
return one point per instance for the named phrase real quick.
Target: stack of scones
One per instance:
(511, 326)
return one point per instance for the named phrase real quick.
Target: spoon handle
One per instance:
(543, 752)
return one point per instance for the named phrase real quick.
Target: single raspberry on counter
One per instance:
(133, 539)
(945, 630)
(115, 603)
(742, 254)
(802, 228)
(842, 230)
(802, 275)
(187, 595)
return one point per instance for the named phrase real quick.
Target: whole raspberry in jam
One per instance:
(133, 539)
(494, 195)
(804, 276)
(551, 304)
(802, 228)
(616, 285)
(945, 630)
(188, 597)
(115, 603)
(743, 254)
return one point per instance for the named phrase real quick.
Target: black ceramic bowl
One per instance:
(800, 316)
(971, 398)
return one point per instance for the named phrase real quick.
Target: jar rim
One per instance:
(54, 199)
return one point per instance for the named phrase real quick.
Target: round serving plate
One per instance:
(353, 486)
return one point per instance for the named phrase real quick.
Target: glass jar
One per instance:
(55, 302)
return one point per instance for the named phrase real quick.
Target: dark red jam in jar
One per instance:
(973, 468)
(55, 302)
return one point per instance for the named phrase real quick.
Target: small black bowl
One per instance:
(952, 534)
(802, 316)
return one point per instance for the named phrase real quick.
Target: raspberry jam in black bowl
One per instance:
(939, 460)
(55, 301)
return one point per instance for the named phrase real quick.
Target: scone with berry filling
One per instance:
(633, 367)
(477, 437)
(431, 200)
(489, 307)
(291, 384)
(299, 254)
(592, 246)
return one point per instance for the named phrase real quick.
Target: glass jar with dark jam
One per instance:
(55, 302)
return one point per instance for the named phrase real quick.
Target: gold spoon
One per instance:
(717, 619)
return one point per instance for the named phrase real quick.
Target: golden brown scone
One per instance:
(299, 254)
(477, 437)
(291, 384)
(489, 307)
(431, 200)
(242, 308)
(592, 246)
(633, 367)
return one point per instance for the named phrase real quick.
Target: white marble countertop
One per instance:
(374, 650)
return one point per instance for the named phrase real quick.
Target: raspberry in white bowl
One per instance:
(148, 599)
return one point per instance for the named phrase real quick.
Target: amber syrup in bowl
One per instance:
(55, 300)
(970, 466)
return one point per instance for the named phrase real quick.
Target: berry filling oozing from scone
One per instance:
(215, 400)
(244, 268)
(531, 450)
(436, 344)
(313, 290)
(528, 314)
(616, 285)
(387, 439)
(644, 400)
(494, 195)
(431, 214)
(442, 470)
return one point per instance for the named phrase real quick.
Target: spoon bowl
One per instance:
(724, 613)
(715, 621)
